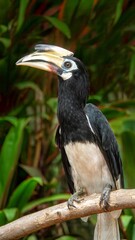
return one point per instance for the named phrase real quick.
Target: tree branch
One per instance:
(28, 224)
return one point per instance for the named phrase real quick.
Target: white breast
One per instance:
(89, 168)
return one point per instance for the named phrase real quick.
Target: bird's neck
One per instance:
(71, 115)
(70, 111)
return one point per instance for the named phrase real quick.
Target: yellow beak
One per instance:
(46, 57)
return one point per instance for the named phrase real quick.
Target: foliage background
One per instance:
(102, 35)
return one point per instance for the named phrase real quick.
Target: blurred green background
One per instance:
(102, 35)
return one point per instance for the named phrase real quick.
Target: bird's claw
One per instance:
(74, 198)
(104, 200)
(71, 201)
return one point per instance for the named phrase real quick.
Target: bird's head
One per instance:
(62, 62)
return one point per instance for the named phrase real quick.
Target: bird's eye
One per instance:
(67, 64)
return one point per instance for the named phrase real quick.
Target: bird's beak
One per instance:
(46, 57)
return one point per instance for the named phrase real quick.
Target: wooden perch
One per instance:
(28, 224)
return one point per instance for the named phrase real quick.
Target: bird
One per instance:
(88, 146)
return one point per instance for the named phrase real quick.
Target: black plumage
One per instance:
(72, 111)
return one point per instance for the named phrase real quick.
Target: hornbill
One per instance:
(88, 146)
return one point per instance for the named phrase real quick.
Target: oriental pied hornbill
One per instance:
(88, 146)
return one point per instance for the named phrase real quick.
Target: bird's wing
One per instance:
(107, 141)
(66, 164)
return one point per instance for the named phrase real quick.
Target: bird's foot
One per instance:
(76, 197)
(104, 199)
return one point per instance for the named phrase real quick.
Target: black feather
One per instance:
(107, 141)
(66, 165)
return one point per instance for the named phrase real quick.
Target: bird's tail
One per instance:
(107, 227)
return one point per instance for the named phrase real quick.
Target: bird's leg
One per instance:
(104, 199)
(76, 197)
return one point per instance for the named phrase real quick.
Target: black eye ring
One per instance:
(67, 64)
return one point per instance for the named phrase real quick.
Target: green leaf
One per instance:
(3, 219)
(63, 27)
(23, 192)
(133, 232)
(113, 113)
(12, 120)
(70, 10)
(33, 172)
(128, 156)
(3, 29)
(10, 213)
(132, 69)
(7, 215)
(9, 156)
(32, 237)
(21, 15)
(66, 238)
(39, 201)
(124, 104)
(85, 7)
(118, 10)
(119, 125)
(126, 221)
(131, 28)
(129, 125)
(4, 10)
(25, 85)
(5, 41)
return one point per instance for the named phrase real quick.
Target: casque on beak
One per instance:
(46, 57)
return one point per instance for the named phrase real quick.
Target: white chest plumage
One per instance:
(89, 168)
